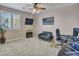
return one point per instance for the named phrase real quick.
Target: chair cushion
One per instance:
(47, 33)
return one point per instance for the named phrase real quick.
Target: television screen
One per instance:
(28, 21)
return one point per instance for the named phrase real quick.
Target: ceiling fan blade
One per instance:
(27, 8)
(37, 6)
(27, 5)
(43, 8)
(40, 8)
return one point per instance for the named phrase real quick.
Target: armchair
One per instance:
(47, 36)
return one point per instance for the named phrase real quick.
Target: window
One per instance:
(16, 21)
(9, 20)
(5, 20)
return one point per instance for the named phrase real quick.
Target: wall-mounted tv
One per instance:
(48, 21)
(28, 21)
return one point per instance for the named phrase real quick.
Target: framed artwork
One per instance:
(48, 21)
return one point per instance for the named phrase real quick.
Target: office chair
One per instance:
(60, 38)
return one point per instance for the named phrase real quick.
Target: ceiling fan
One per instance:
(36, 7)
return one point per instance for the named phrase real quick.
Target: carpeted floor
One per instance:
(28, 47)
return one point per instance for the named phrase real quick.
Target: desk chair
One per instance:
(60, 38)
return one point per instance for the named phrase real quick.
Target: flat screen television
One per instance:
(28, 21)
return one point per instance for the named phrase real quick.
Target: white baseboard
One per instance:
(9, 40)
(15, 39)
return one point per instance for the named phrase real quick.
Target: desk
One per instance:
(68, 50)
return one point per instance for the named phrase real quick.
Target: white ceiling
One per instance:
(48, 6)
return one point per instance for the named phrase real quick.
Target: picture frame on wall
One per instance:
(48, 21)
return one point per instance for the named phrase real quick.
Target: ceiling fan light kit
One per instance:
(37, 11)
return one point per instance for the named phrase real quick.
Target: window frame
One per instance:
(11, 16)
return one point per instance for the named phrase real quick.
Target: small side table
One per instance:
(29, 34)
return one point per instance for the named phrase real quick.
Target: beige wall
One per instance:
(13, 34)
(65, 18)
